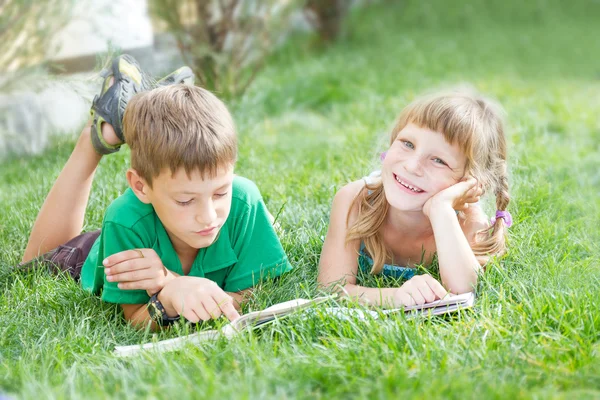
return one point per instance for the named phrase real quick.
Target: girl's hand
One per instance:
(419, 290)
(457, 196)
(137, 269)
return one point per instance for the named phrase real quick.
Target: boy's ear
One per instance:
(138, 185)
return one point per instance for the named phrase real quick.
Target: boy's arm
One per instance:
(195, 299)
(138, 315)
(140, 269)
(143, 269)
(240, 297)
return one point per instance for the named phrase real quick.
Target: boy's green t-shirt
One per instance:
(246, 250)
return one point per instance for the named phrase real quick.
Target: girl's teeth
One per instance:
(406, 185)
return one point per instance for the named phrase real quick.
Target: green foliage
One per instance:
(27, 30)
(309, 124)
(225, 42)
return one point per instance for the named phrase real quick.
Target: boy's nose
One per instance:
(206, 215)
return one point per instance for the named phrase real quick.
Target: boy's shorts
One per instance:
(68, 257)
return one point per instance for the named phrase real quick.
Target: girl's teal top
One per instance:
(393, 271)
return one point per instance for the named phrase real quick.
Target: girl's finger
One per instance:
(417, 296)
(427, 293)
(437, 288)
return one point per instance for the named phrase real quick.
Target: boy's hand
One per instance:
(137, 269)
(196, 299)
(457, 196)
(419, 290)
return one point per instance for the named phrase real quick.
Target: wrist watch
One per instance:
(158, 313)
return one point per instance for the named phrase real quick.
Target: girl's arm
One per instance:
(458, 265)
(338, 264)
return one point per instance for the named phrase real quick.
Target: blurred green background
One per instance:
(315, 117)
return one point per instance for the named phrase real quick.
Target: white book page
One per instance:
(457, 299)
(275, 311)
(251, 319)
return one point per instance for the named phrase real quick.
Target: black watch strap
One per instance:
(158, 313)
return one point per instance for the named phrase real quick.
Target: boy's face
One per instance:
(419, 164)
(192, 209)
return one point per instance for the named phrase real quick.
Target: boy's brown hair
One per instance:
(179, 126)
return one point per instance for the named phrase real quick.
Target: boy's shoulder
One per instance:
(245, 192)
(127, 210)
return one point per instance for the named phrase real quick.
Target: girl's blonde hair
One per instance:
(476, 125)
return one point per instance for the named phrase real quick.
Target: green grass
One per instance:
(313, 120)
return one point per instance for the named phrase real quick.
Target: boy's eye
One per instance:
(184, 203)
(439, 161)
(408, 144)
(220, 194)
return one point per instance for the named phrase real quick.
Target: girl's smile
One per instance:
(408, 186)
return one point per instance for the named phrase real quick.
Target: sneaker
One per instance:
(109, 106)
(183, 75)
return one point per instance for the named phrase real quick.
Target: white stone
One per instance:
(123, 24)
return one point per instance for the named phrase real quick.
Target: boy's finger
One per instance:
(130, 276)
(126, 266)
(229, 311)
(191, 315)
(212, 308)
(123, 256)
(136, 285)
(202, 312)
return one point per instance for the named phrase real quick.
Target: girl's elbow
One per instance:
(465, 285)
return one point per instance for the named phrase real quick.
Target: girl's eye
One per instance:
(439, 161)
(408, 144)
(220, 194)
(184, 203)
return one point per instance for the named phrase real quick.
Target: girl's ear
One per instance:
(139, 185)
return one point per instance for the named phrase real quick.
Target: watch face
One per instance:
(155, 311)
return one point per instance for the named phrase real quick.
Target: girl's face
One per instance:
(419, 164)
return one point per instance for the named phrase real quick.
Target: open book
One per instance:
(250, 320)
(446, 305)
(254, 319)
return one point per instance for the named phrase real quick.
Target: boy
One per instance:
(188, 238)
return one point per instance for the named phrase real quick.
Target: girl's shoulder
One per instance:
(343, 202)
(353, 189)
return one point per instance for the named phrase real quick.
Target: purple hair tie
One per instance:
(382, 156)
(504, 215)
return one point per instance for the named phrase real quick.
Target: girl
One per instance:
(445, 151)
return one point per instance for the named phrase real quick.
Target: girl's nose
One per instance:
(414, 165)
